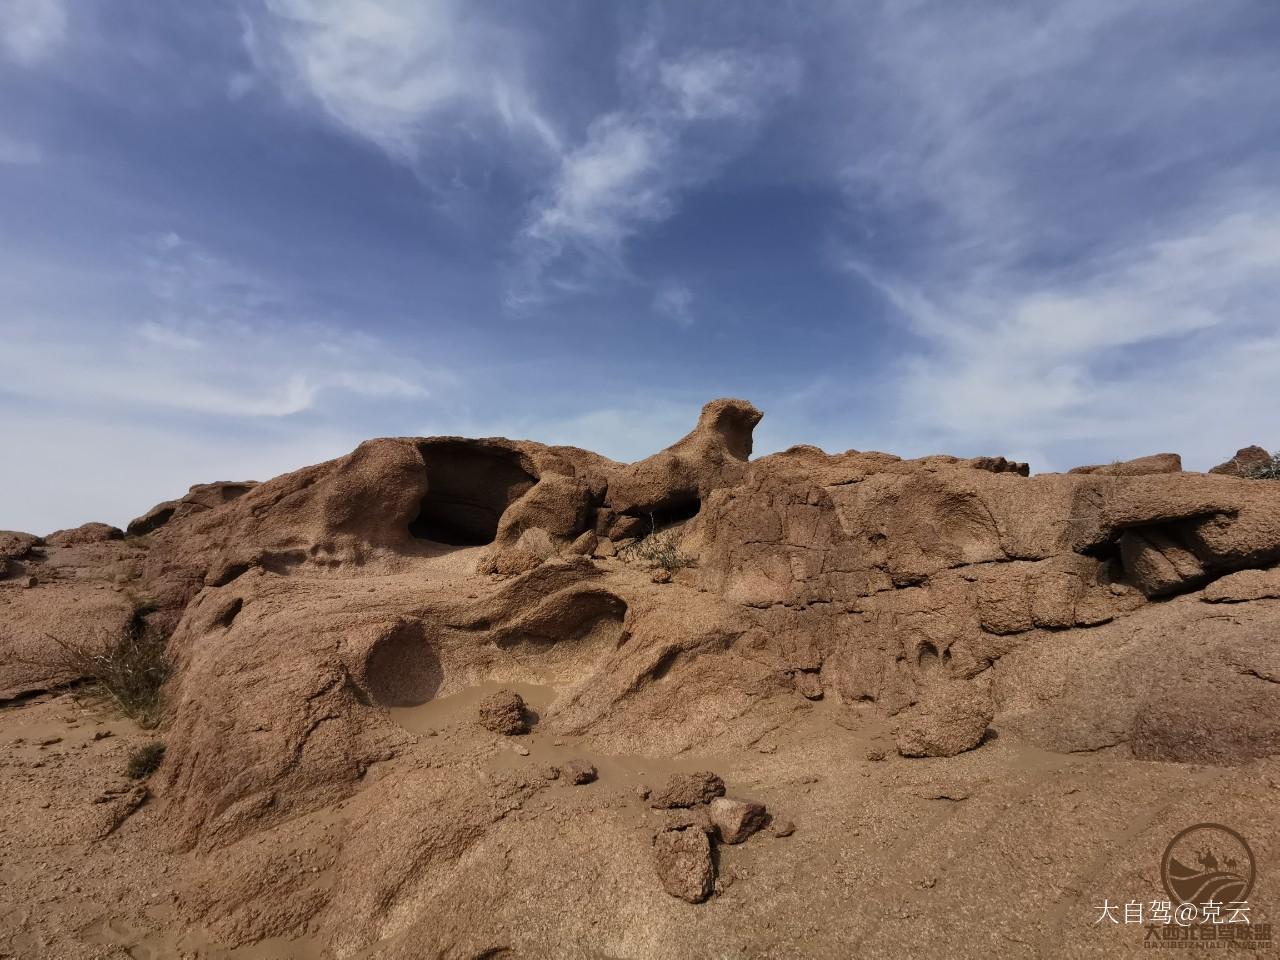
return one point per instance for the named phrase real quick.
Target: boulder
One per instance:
(579, 772)
(15, 545)
(1244, 586)
(1245, 463)
(85, 533)
(687, 790)
(1157, 564)
(1155, 463)
(952, 718)
(735, 820)
(683, 862)
(504, 713)
(808, 685)
(585, 544)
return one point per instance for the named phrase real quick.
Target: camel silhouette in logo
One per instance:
(1214, 879)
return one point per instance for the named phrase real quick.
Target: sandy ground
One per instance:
(1004, 851)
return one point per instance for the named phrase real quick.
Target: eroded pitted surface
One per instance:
(1075, 664)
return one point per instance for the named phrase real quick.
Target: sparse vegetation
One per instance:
(144, 760)
(130, 668)
(660, 549)
(1265, 470)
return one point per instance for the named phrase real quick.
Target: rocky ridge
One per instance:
(697, 602)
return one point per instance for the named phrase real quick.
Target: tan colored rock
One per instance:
(712, 456)
(735, 820)
(504, 712)
(1155, 463)
(85, 533)
(688, 790)
(15, 545)
(808, 685)
(579, 772)
(1245, 462)
(683, 862)
(951, 719)
(1157, 564)
(1244, 586)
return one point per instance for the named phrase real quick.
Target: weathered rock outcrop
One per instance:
(1246, 461)
(1155, 463)
(85, 533)
(1130, 607)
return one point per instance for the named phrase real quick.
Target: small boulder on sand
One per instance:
(735, 820)
(951, 719)
(579, 772)
(683, 862)
(504, 713)
(687, 790)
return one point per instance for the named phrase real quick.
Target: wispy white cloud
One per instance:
(675, 300)
(208, 337)
(1167, 344)
(690, 114)
(31, 30)
(389, 70)
(1049, 305)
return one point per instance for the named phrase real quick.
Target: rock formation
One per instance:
(944, 597)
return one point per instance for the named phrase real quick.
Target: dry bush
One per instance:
(144, 760)
(659, 549)
(129, 668)
(1267, 470)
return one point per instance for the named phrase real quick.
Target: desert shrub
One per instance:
(660, 548)
(1266, 470)
(144, 760)
(129, 668)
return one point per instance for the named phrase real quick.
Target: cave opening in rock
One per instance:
(469, 486)
(668, 515)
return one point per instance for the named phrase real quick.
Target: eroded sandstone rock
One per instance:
(1155, 463)
(1245, 462)
(683, 862)
(735, 820)
(85, 533)
(579, 772)
(412, 569)
(504, 712)
(688, 790)
(950, 719)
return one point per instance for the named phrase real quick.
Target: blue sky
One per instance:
(240, 237)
